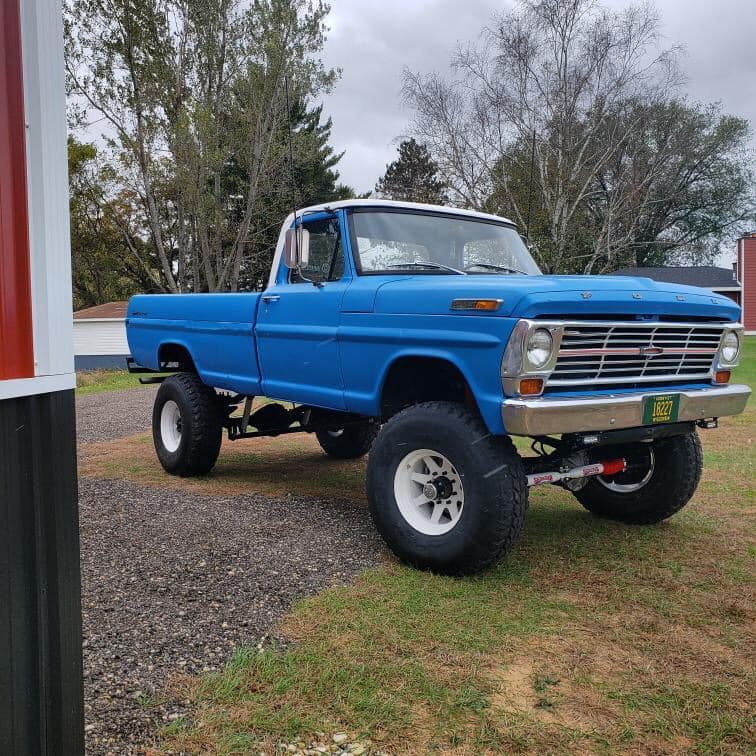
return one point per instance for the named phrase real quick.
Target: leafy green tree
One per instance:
(191, 97)
(677, 188)
(412, 177)
(107, 259)
(680, 185)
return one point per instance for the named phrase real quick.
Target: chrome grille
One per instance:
(624, 353)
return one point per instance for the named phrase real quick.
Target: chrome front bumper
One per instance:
(541, 416)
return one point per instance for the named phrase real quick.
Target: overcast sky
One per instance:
(373, 40)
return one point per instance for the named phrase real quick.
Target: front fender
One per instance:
(473, 345)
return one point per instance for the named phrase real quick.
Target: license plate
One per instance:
(661, 408)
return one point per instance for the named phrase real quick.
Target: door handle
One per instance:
(268, 298)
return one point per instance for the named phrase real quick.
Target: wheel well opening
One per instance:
(174, 358)
(412, 380)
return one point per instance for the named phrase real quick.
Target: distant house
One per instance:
(719, 280)
(738, 283)
(100, 337)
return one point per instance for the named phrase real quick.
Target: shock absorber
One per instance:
(609, 467)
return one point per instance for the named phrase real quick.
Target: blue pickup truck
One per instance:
(428, 337)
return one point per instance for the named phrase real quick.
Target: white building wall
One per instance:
(47, 186)
(47, 197)
(100, 337)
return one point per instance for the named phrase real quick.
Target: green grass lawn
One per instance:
(98, 381)
(589, 637)
(746, 372)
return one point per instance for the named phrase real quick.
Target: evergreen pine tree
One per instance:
(412, 177)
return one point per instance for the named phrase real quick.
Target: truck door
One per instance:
(298, 320)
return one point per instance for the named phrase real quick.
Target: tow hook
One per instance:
(610, 467)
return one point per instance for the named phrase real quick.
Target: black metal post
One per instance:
(41, 709)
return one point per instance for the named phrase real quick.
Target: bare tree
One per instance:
(564, 71)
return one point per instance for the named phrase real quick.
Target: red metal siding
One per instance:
(16, 345)
(733, 295)
(747, 270)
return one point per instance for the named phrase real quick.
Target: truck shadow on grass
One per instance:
(270, 466)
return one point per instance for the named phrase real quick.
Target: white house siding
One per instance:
(100, 343)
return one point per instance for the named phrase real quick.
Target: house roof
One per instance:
(107, 311)
(707, 276)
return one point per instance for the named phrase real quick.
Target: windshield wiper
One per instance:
(495, 267)
(437, 266)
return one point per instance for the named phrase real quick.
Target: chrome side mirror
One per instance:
(297, 248)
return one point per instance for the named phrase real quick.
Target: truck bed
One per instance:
(216, 330)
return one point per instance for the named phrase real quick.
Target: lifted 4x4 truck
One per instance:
(428, 337)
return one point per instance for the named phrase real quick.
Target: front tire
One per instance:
(187, 425)
(351, 442)
(444, 493)
(662, 481)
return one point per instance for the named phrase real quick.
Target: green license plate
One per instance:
(661, 408)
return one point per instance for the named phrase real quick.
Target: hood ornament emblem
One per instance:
(586, 295)
(637, 295)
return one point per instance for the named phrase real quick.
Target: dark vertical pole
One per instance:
(530, 186)
(41, 709)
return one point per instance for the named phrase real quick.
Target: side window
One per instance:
(326, 261)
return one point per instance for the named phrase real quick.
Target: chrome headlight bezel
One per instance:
(516, 363)
(734, 360)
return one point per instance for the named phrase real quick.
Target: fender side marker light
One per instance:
(484, 305)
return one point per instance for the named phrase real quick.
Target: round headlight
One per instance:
(730, 347)
(539, 347)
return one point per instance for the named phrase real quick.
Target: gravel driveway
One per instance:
(114, 414)
(173, 582)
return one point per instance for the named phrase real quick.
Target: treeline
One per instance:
(564, 116)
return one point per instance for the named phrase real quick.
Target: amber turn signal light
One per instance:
(531, 386)
(722, 376)
(485, 305)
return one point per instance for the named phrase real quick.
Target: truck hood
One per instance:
(530, 296)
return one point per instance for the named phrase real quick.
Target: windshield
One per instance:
(387, 241)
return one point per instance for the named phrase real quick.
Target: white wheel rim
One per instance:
(170, 426)
(631, 487)
(428, 491)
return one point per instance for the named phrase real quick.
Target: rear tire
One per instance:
(350, 442)
(444, 493)
(187, 425)
(651, 494)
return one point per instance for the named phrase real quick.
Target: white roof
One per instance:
(406, 205)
